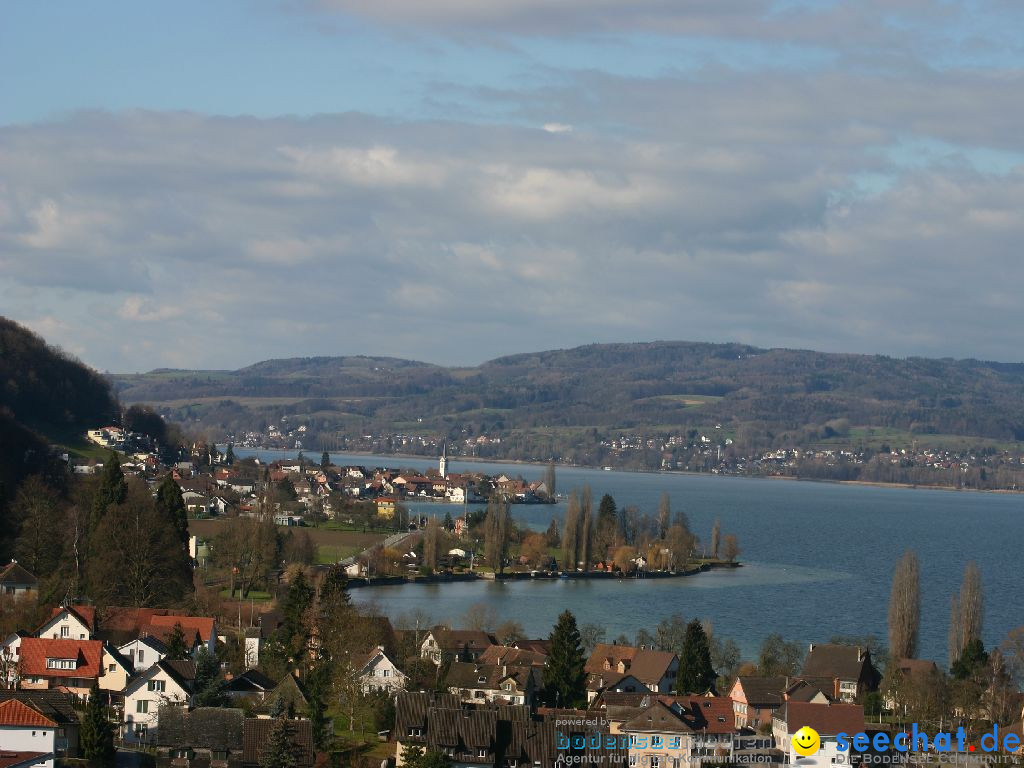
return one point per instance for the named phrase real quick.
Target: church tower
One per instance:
(442, 463)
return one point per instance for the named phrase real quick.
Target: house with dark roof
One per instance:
(56, 706)
(848, 667)
(461, 644)
(16, 582)
(377, 672)
(252, 686)
(256, 735)
(755, 699)
(829, 720)
(24, 729)
(902, 674)
(168, 682)
(207, 737)
(476, 683)
(292, 695)
(143, 652)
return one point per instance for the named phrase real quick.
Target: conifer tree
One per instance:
(176, 647)
(279, 751)
(325, 461)
(96, 734)
(696, 673)
(171, 506)
(207, 684)
(111, 490)
(295, 629)
(565, 678)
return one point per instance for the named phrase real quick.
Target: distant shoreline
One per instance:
(521, 462)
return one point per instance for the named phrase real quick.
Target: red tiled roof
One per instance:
(9, 759)
(15, 713)
(613, 654)
(36, 650)
(201, 624)
(85, 613)
(140, 621)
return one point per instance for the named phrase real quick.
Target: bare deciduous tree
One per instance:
(716, 533)
(905, 608)
(967, 613)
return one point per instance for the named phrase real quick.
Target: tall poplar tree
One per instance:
(112, 490)
(171, 506)
(905, 608)
(571, 533)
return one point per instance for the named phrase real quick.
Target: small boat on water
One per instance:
(607, 469)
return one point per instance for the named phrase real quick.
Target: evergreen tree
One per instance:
(229, 454)
(318, 684)
(325, 461)
(972, 660)
(564, 678)
(112, 490)
(295, 629)
(171, 506)
(607, 511)
(96, 734)
(279, 751)
(449, 524)
(696, 674)
(497, 528)
(207, 684)
(176, 647)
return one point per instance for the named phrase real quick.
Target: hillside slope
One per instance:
(755, 393)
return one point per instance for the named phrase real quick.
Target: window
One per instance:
(385, 673)
(140, 656)
(414, 731)
(219, 754)
(140, 730)
(481, 753)
(155, 685)
(142, 705)
(112, 668)
(60, 663)
(65, 630)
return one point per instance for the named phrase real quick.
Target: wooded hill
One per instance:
(759, 396)
(45, 396)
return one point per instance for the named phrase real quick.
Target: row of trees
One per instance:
(109, 539)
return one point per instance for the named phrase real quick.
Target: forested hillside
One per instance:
(757, 395)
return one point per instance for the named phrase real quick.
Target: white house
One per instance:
(69, 623)
(829, 720)
(143, 652)
(23, 729)
(379, 673)
(166, 682)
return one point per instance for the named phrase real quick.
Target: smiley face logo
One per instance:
(806, 741)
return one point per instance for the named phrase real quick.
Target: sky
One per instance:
(209, 184)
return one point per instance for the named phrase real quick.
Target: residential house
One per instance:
(70, 622)
(474, 683)
(56, 706)
(626, 669)
(143, 652)
(849, 668)
(256, 736)
(829, 720)
(72, 665)
(16, 582)
(291, 694)
(461, 644)
(168, 682)
(904, 673)
(671, 731)
(10, 658)
(121, 625)
(207, 737)
(379, 673)
(507, 654)
(469, 737)
(251, 686)
(117, 671)
(24, 729)
(756, 699)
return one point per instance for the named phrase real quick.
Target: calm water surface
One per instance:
(818, 558)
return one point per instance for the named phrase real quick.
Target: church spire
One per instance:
(442, 463)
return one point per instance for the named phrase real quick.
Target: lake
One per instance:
(818, 557)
